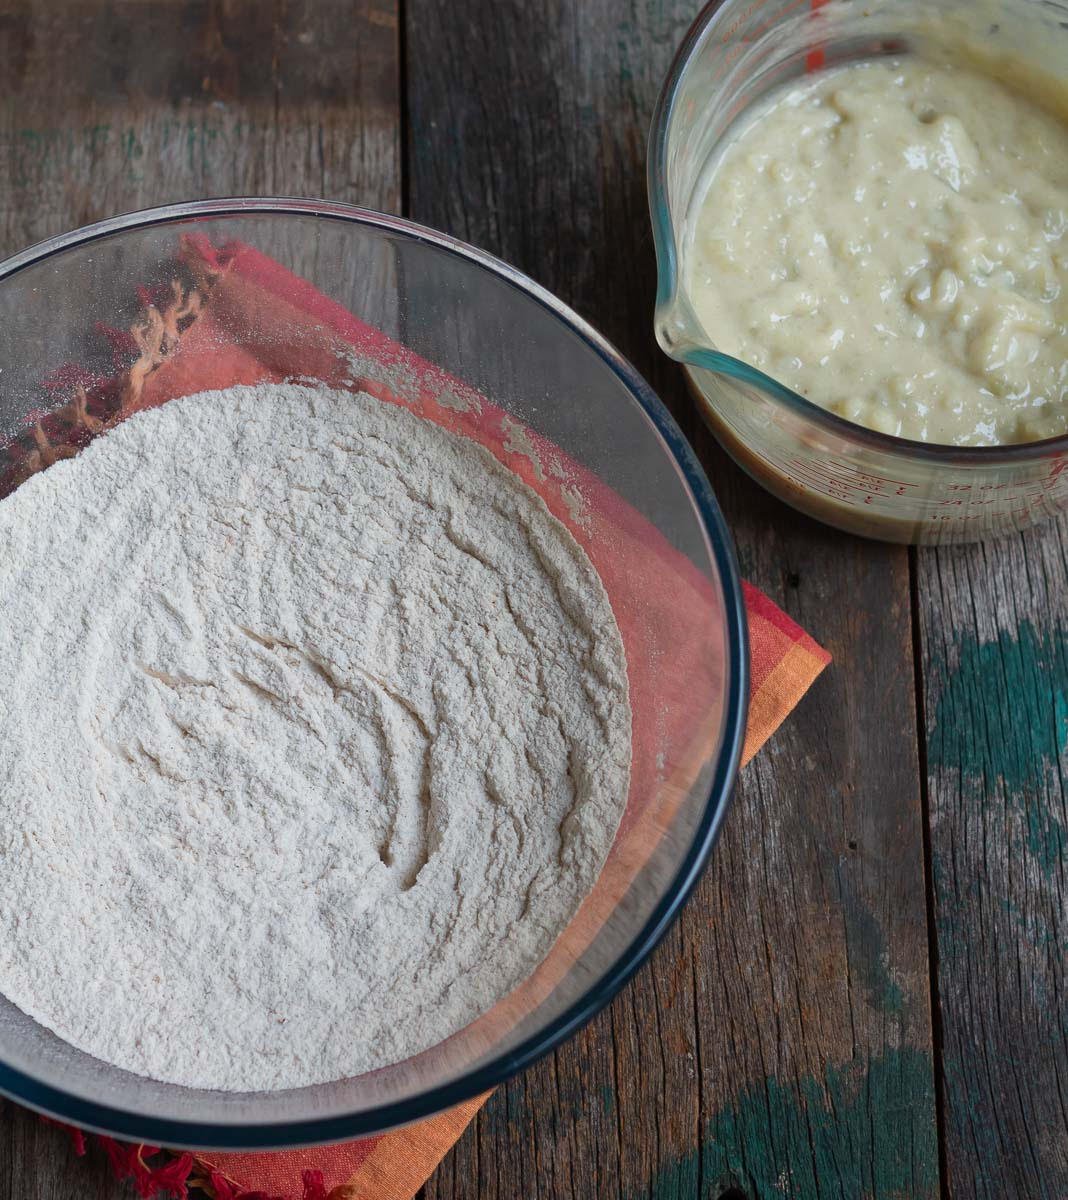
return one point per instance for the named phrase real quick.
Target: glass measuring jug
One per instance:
(842, 473)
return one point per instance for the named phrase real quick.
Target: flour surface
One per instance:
(314, 733)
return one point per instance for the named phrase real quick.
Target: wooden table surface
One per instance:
(867, 995)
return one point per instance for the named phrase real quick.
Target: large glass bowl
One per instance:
(488, 328)
(870, 483)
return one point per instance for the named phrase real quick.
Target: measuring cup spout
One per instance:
(678, 333)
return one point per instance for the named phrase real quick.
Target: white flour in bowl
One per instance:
(314, 733)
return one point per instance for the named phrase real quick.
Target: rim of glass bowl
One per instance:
(669, 292)
(171, 1132)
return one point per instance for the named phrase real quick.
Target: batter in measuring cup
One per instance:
(890, 239)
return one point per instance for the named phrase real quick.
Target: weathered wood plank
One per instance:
(110, 107)
(36, 1163)
(107, 107)
(780, 1044)
(994, 625)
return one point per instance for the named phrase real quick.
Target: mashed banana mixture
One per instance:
(890, 239)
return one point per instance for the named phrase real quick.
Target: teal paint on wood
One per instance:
(1002, 716)
(857, 1133)
(679, 1179)
(1036, 932)
(867, 947)
(994, 634)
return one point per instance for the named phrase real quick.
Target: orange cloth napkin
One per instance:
(235, 324)
(785, 662)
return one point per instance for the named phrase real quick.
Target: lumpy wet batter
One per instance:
(890, 239)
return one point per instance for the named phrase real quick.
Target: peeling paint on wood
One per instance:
(995, 656)
(817, 1138)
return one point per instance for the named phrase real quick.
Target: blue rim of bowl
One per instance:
(173, 1132)
(668, 290)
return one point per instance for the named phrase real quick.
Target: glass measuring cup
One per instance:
(844, 474)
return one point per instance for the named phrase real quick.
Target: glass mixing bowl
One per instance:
(859, 480)
(481, 326)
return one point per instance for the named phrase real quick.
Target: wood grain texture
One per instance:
(779, 1044)
(37, 1163)
(108, 106)
(111, 106)
(994, 625)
